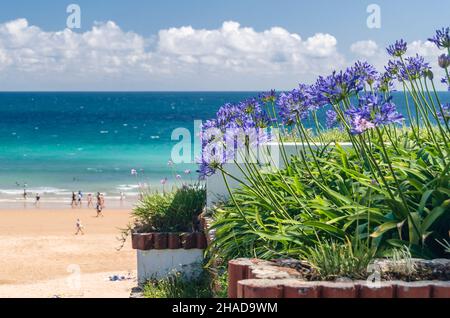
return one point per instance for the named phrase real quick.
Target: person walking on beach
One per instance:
(100, 203)
(89, 200)
(74, 200)
(38, 198)
(80, 197)
(24, 194)
(79, 227)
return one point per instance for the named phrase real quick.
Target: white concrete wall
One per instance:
(160, 263)
(216, 188)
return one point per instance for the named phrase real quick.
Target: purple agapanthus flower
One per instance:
(441, 38)
(393, 68)
(415, 67)
(388, 114)
(373, 111)
(365, 72)
(338, 86)
(397, 49)
(294, 105)
(236, 126)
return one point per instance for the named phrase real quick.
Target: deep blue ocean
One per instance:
(56, 143)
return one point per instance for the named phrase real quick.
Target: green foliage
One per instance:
(174, 211)
(335, 260)
(179, 286)
(338, 194)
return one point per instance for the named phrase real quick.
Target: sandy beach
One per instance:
(40, 255)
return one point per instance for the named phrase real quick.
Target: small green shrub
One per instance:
(179, 286)
(333, 259)
(174, 211)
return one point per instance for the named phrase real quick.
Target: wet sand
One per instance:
(40, 255)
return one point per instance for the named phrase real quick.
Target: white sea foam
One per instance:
(127, 187)
(41, 190)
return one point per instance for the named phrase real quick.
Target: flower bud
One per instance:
(444, 60)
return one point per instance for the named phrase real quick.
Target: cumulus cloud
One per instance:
(241, 50)
(179, 56)
(230, 57)
(365, 48)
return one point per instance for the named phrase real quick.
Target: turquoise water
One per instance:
(56, 143)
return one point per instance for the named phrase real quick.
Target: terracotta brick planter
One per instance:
(413, 289)
(173, 241)
(162, 241)
(162, 254)
(253, 278)
(299, 289)
(376, 290)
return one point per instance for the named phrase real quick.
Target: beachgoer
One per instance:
(24, 194)
(38, 198)
(89, 199)
(80, 197)
(122, 196)
(74, 200)
(100, 203)
(79, 227)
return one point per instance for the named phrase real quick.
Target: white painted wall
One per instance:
(160, 263)
(215, 185)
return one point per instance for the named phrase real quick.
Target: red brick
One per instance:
(440, 290)
(173, 241)
(160, 241)
(413, 289)
(142, 241)
(188, 240)
(338, 290)
(134, 240)
(298, 289)
(376, 290)
(200, 240)
(261, 288)
(237, 270)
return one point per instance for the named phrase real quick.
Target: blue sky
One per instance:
(167, 66)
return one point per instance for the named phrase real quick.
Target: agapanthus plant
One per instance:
(394, 178)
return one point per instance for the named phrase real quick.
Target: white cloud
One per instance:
(364, 48)
(229, 57)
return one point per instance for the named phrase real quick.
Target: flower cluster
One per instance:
(362, 82)
(338, 86)
(441, 38)
(397, 49)
(373, 111)
(236, 126)
(294, 105)
(413, 67)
